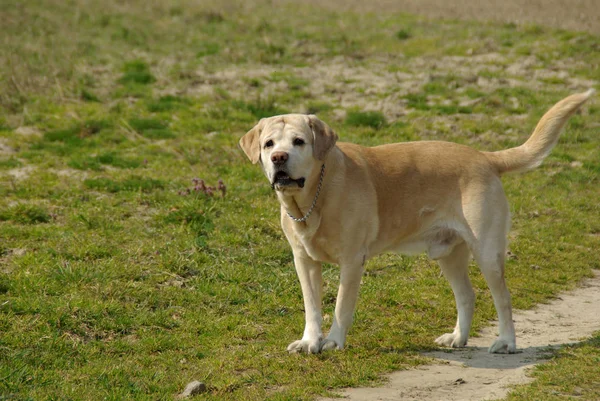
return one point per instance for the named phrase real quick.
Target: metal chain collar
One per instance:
(306, 216)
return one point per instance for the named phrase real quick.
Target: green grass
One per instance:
(25, 214)
(120, 280)
(373, 119)
(572, 372)
(137, 72)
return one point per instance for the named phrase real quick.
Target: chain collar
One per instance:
(306, 216)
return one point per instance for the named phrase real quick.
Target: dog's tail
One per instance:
(531, 154)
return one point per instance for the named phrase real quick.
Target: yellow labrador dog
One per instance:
(343, 203)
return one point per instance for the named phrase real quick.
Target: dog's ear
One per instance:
(324, 137)
(250, 143)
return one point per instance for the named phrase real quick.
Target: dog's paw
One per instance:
(307, 346)
(452, 340)
(503, 346)
(329, 344)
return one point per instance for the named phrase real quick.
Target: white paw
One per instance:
(453, 340)
(308, 346)
(502, 346)
(329, 344)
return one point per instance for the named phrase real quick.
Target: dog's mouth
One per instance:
(283, 180)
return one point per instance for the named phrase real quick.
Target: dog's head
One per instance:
(290, 148)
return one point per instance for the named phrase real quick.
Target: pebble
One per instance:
(192, 389)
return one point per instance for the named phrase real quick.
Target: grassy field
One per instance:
(121, 277)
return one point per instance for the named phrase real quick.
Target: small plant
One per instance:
(208, 49)
(4, 125)
(201, 187)
(373, 119)
(166, 103)
(317, 107)
(10, 163)
(137, 72)
(76, 133)
(108, 158)
(417, 101)
(403, 34)
(88, 96)
(26, 214)
(260, 108)
(151, 128)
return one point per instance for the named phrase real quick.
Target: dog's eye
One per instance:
(298, 142)
(268, 144)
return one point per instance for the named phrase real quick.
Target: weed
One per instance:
(71, 135)
(82, 162)
(167, 103)
(85, 163)
(200, 187)
(373, 119)
(315, 107)
(208, 49)
(11, 162)
(137, 72)
(403, 34)
(88, 96)
(151, 128)
(25, 214)
(260, 108)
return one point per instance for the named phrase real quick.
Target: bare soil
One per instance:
(474, 374)
(345, 84)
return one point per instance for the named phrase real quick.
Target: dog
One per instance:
(343, 203)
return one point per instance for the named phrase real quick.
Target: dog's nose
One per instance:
(278, 158)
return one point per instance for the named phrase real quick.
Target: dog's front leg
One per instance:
(311, 281)
(350, 276)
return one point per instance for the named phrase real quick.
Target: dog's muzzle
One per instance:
(283, 180)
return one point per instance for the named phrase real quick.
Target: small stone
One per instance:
(193, 388)
(469, 102)
(28, 131)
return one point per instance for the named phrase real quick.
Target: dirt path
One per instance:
(474, 374)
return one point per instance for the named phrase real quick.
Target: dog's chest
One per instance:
(316, 243)
(319, 249)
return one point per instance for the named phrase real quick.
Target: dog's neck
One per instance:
(298, 203)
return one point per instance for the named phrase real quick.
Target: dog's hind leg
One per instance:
(455, 267)
(490, 223)
(491, 262)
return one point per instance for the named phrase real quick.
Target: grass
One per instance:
(120, 280)
(373, 119)
(137, 72)
(572, 372)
